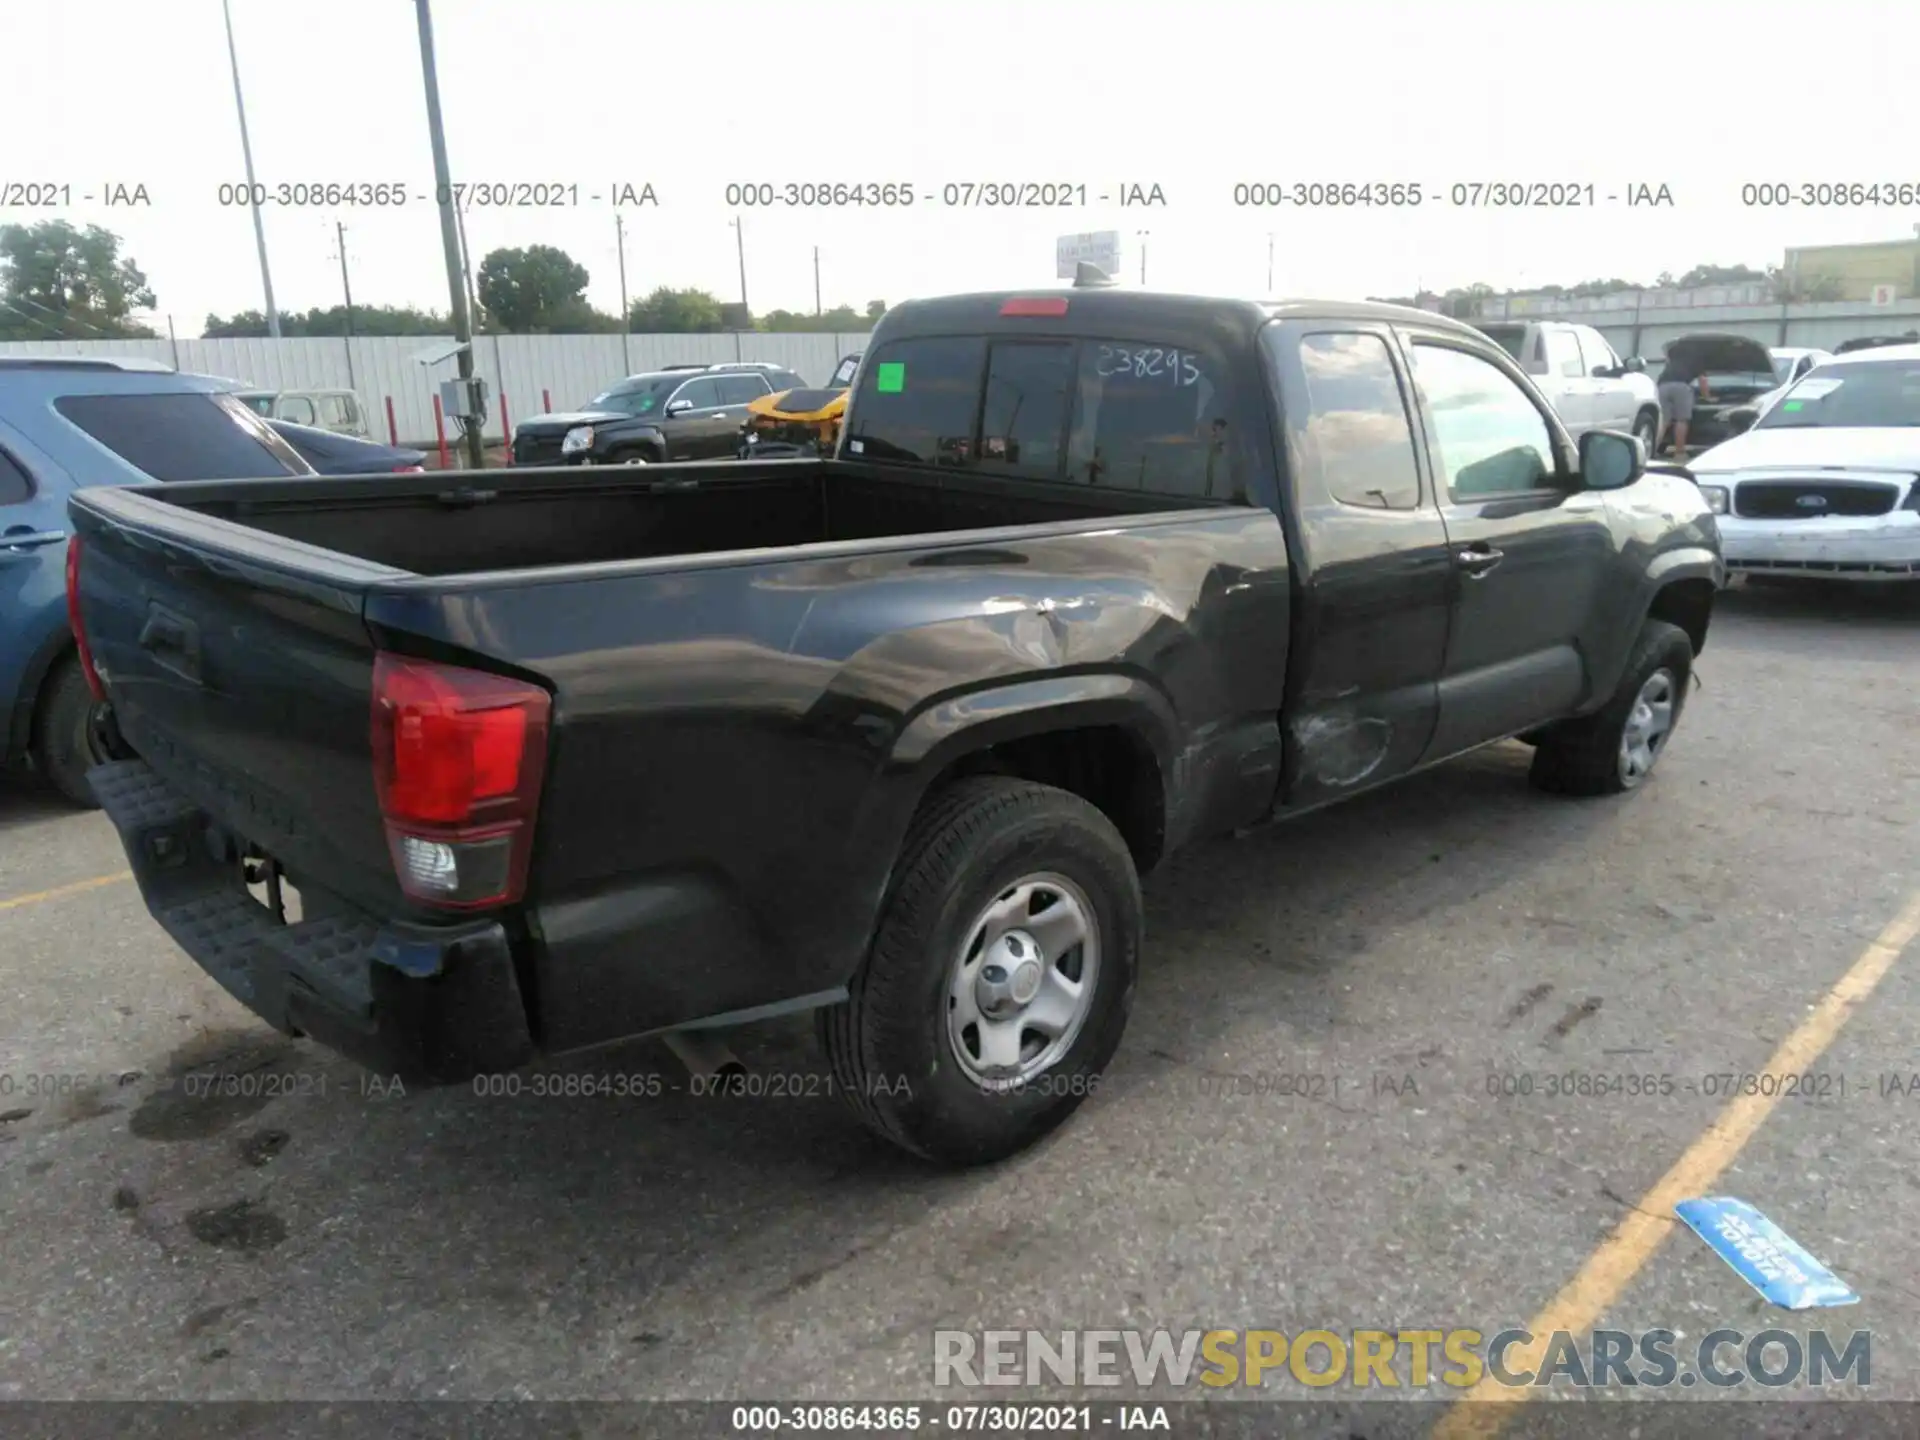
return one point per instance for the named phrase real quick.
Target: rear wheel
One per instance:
(1615, 750)
(1000, 976)
(63, 734)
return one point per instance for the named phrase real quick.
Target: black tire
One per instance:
(1647, 426)
(1583, 757)
(892, 1057)
(63, 736)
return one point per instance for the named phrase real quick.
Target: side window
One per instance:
(741, 389)
(1153, 418)
(184, 437)
(1357, 422)
(702, 394)
(334, 410)
(298, 409)
(15, 484)
(1029, 391)
(1563, 354)
(1595, 351)
(1488, 438)
(917, 400)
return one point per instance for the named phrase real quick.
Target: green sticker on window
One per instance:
(1794, 405)
(890, 378)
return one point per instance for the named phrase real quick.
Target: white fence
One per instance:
(537, 372)
(532, 372)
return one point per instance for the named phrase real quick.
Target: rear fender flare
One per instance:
(951, 729)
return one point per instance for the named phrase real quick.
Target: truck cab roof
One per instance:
(986, 312)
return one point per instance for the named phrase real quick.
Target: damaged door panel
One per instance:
(1370, 628)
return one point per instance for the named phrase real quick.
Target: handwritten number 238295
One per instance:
(1176, 367)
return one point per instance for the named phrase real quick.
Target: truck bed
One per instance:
(754, 670)
(451, 523)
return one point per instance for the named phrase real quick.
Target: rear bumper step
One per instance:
(434, 1005)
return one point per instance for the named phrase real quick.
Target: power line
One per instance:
(72, 319)
(33, 320)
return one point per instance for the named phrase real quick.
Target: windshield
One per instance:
(1864, 395)
(1510, 338)
(1783, 366)
(1726, 379)
(639, 399)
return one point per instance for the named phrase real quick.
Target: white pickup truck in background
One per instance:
(340, 411)
(1590, 386)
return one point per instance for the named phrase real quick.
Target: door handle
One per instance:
(23, 539)
(1478, 560)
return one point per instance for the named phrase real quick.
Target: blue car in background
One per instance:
(67, 423)
(331, 453)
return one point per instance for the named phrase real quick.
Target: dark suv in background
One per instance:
(681, 413)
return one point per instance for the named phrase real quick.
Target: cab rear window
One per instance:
(1121, 413)
(184, 436)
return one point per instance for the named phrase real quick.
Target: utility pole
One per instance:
(816, 280)
(449, 229)
(740, 237)
(346, 285)
(466, 265)
(626, 313)
(253, 191)
(1141, 236)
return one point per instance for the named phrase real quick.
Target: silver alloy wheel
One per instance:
(1023, 981)
(1648, 429)
(1649, 723)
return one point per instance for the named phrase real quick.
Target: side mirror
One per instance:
(679, 407)
(1611, 459)
(1637, 365)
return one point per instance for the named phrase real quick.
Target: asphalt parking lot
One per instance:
(1411, 949)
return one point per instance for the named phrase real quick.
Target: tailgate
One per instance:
(239, 667)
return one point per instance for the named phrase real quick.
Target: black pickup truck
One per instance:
(551, 761)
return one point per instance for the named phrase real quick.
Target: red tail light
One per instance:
(77, 624)
(1034, 305)
(458, 756)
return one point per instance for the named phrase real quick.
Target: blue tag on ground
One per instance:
(1766, 1257)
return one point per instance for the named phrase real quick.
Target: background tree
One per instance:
(1701, 276)
(676, 312)
(533, 290)
(367, 320)
(875, 309)
(59, 282)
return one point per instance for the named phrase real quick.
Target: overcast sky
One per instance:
(1192, 96)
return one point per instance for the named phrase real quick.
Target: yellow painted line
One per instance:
(60, 892)
(1485, 1410)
